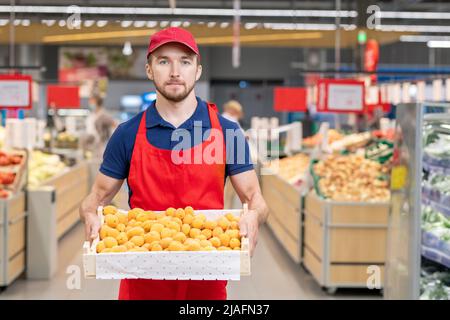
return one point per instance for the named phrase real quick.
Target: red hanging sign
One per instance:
(289, 99)
(63, 97)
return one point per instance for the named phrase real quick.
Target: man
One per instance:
(144, 151)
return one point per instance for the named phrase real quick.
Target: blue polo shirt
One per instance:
(160, 133)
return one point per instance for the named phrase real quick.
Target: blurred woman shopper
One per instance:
(99, 127)
(141, 151)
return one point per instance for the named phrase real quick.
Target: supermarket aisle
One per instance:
(275, 276)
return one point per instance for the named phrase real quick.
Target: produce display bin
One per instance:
(169, 265)
(285, 204)
(53, 211)
(12, 234)
(342, 239)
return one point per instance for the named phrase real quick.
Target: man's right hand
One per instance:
(91, 226)
(103, 190)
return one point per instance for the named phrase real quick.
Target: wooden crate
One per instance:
(216, 262)
(342, 239)
(12, 235)
(285, 220)
(71, 187)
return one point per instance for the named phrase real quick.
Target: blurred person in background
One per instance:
(232, 110)
(99, 127)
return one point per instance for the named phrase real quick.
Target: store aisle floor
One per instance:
(274, 276)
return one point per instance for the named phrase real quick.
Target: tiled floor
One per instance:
(274, 276)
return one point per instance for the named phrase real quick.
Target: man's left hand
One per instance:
(249, 226)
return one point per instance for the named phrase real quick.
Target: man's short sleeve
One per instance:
(237, 149)
(117, 156)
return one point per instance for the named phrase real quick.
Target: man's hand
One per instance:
(249, 225)
(102, 192)
(92, 226)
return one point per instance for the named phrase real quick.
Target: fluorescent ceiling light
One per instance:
(186, 24)
(26, 22)
(4, 22)
(414, 38)
(62, 23)
(224, 24)
(412, 28)
(211, 24)
(183, 11)
(164, 24)
(151, 24)
(438, 44)
(304, 26)
(412, 15)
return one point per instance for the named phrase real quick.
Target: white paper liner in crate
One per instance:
(173, 265)
(202, 265)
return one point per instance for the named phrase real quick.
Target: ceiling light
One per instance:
(412, 28)
(412, 15)
(438, 44)
(139, 24)
(414, 38)
(62, 23)
(250, 25)
(211, 24)
(151, 24)
(186, 24)
(126, 23)
(3, 22)
(48, 23)
(182, 11)
(102, 23)
(175, 24)
(88, 23)
(224, 25)
(164, 24)
(127, 49)
(17, 22)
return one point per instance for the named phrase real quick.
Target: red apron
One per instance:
(157, 183)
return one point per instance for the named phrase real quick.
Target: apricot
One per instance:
(109, 210)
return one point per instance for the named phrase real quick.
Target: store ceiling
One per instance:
(280, 23)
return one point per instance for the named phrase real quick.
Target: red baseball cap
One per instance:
(172, 34)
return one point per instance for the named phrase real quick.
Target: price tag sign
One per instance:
(15, 91)
(336, 95)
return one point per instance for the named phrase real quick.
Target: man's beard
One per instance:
(174, 97)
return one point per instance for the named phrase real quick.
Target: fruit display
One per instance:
(389, 134)
(9, 159)
(12, 164)
(352, 178)
(43, 166)
(351, 142)
(380, 150)
(333, 135)
(291, 168)
(171, 230)
(66, 140)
